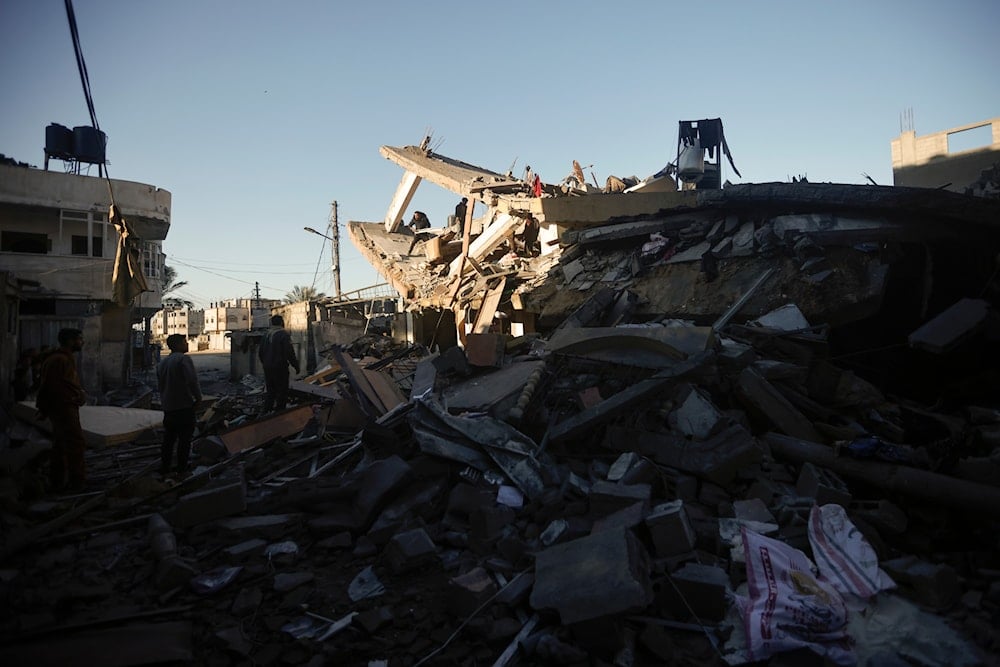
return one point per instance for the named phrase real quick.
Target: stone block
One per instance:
(468, 591)
(603, 574)
(630, 517)
(935, 585)
(378, 483)
(244, 550)
(410, 550)
(696, 417)
(753, 509)
(485, 349)
(374, 620)
(702, 587)
(823, 485)
(339, 541)
(670, 529)
(607, 497)
(622, 465)
(961, 321)
(208, 504)
(717, 459)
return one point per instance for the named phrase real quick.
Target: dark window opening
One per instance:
(24, 242)
(80, 246)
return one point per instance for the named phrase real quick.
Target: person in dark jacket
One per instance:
(276, 353)
(60, 396)
(180, 394)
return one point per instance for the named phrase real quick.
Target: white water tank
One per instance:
(691, 163)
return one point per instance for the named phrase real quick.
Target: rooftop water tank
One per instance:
(59, 141)
(89, 144)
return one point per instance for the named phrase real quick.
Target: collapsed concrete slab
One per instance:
(601, 575)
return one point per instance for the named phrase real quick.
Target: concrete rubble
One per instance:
(579, 494)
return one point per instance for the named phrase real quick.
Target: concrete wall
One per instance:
(146, 207)
(926, 162)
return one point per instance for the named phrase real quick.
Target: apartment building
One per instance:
(57, 248)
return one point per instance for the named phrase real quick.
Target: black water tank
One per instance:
(58, 141)
(88, 144)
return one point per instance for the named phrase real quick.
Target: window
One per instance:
(24, 242)
(79, 246)
(152, 260)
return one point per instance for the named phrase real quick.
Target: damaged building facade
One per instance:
(58, 247)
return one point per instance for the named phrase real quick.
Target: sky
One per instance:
(256, 115)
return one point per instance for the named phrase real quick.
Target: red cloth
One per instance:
(537, 186)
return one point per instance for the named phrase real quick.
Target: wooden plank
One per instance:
(386, 389)
(254, 434)
(317, 390)
(484, 318)
(370, 401)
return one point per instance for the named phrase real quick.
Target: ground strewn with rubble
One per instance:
(764, 429)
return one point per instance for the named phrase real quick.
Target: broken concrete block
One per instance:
(603, 574)
(825, 486)
(933, 584)
(760, 395)
(717, 459)
(245, 550)
(410, 550)
(630, 517)
(743, 240)
(785, 318)
(702, 587)
(468, 591)
(212, 502)
(485, 349)
(607, 497)
(752, 509)
(379, 482)
(452, 362)
(374, 620)
(670, 529)
(955, 325)
(341, 540)
(697, 417)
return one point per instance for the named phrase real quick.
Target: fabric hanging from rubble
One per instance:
(127, 280)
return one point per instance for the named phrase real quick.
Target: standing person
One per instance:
(60, 396)
(461, 210)
(530, 235)
(179, 396)
(276, 353)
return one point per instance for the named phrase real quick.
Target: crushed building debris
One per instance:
(729, 426)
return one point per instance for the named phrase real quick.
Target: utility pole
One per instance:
(335, 249)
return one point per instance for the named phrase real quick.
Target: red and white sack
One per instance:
(788, 606)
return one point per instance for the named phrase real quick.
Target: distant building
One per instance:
(189, 322)
(934, 160)
(58, 248)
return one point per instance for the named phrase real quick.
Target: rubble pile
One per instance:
(656, 493)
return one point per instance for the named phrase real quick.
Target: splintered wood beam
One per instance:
(484, 244)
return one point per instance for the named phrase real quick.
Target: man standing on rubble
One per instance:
(276, 353)
(179, 396)
(60, 396)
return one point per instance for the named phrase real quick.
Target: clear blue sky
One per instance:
(256, 115)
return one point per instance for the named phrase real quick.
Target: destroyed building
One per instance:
(751, 424)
